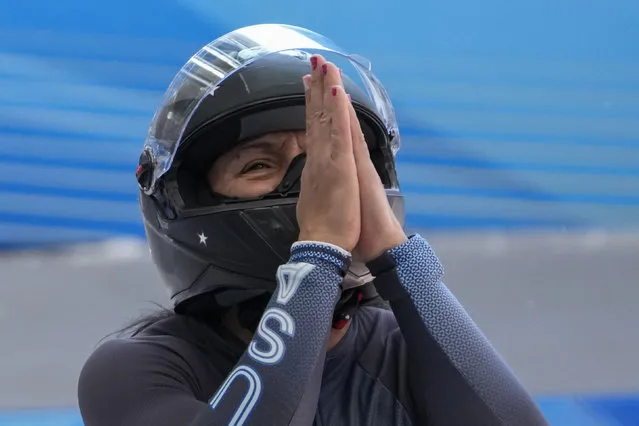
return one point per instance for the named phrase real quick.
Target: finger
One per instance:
(306, 80)
(314, 106)
(333, 78)
(336, 104)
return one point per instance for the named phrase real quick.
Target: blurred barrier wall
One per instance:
(514, 114)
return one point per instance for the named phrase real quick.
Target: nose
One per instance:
(299, 147)
(295, 146)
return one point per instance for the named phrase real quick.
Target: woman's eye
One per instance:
(254, 167)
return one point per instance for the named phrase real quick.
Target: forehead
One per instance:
(273, 141)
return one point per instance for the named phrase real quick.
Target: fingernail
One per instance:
(334, 90)
(313, 62)
(306, 81)
(324, 68)
(349, 97)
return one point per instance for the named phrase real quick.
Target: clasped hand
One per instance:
(342, 199)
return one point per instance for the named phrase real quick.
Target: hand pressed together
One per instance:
(342, 199)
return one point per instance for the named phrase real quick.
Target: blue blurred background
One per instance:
(518, 119)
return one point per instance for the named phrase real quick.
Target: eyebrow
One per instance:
(264, 144)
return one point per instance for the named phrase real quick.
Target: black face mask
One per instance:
(250, 312)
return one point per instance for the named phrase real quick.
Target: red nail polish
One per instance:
(324, 69)
(334, 91)
(313, 62)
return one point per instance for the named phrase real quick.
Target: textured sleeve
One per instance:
(456, 376)
(277, 381)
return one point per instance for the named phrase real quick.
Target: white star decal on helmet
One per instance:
(202, 238)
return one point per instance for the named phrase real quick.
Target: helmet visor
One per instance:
(207, 70)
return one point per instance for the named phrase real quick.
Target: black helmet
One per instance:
(242, 85)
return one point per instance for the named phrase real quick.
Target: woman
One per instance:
(270, 200)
